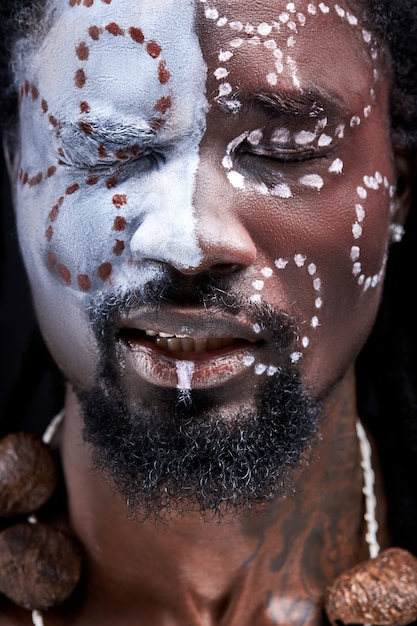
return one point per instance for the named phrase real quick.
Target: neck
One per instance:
(265, 567)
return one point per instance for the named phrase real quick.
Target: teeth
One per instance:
(200, 345)
(213, 343)
(174, 343)
(183, 343)
(187, 344)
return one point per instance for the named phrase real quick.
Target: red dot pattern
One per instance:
(162, 106)
(86, 3)
(119, 223)
(104, 271)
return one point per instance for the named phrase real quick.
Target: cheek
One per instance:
(75, 236)
(324, 266)
(341, 228)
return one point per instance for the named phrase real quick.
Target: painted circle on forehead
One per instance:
(153, 50)
(161, 107)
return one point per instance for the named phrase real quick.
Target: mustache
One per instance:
(170, 290)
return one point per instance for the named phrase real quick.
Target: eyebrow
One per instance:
(290, 104)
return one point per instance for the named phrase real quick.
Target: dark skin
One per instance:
(290, 551)
(270, 564)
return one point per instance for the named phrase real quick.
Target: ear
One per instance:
(405, 167)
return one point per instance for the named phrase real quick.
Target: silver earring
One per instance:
(397, 232)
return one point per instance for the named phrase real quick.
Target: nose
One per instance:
(203, 234)
(225, 243)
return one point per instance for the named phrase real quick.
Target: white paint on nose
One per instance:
(167, 229)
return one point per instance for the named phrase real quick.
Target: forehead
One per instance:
(116, 47)
(303, 45)
(105, 50)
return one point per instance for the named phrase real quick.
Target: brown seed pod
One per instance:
(381, 591)
(40, 566)
(28, 475)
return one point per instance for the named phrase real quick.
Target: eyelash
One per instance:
(147, 159)
(281, 154)
(266, 165)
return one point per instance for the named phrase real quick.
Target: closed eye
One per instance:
(144, 160)
(286, 154)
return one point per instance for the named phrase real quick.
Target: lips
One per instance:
(180, 346)
(155, 345)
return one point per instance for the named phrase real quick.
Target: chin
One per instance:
(188, 453)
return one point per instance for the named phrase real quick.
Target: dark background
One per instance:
(29, 393)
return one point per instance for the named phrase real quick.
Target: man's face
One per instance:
(198, 169)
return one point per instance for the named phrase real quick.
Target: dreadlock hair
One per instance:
(386, 371)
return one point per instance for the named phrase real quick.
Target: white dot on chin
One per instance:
(260, 369)
(299, 260)
(281, 264)
(315, 322)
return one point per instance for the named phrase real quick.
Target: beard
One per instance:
(185, 453)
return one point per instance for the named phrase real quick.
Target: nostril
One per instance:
(221, 269)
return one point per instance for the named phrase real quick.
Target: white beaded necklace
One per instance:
(368, 491)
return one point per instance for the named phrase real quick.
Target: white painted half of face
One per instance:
(133, 74)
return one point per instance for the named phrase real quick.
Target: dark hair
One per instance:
(386, 371)
(395, 23)
(18, 20)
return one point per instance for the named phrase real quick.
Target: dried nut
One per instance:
(382, 591)
(28, 474)
(39, 565)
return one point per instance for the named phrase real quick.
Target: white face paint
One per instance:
(115, 91)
